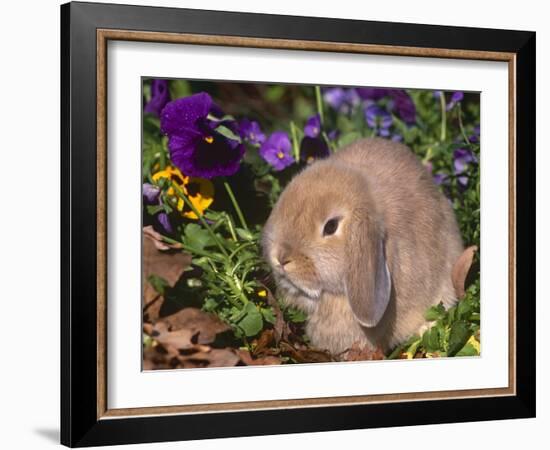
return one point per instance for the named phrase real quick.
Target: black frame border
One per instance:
(79, 423)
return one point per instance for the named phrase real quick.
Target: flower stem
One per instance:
(235, 205)
(443, 104)
(231, 226)
(461, 125)
(182, 195)
(295, 146)
(319, 99)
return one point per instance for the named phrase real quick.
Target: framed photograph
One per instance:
(277, 224)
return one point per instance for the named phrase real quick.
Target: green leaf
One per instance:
(411, 351)
(396, 353)
(179, 88)
(460, 333)
(210, 304)
(430, 340)
(274, 93)
(451, 315)
(435, 312)
(252, 323)
(348, 138)
(245, 235)
(154, 209)
(464, 309)
(197, 237)
(159, 284)
(467, 350)
(295, 315)
(268, 315)
(151, 124)
(229, 134)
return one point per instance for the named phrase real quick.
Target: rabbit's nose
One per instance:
(283, 258)
(284, 261)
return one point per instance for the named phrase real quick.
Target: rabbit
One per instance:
(364, 243)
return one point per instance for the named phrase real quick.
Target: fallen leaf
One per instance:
(308, 355)
(157, 239)
(280, 328)
(171, 340)
(461, 269)
(210, 357)
(204, 325)
(358, 353)
(249, 360)
(263, 343)
(167, 264)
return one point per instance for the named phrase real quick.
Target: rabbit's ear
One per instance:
(368, 281)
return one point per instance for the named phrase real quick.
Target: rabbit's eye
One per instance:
(331, 226)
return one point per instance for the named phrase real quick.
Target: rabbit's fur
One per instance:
(389, 259)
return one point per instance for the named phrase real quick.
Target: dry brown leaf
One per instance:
(182, 337)
(247, 359)
(263, 343)
(280, 327)
(358, 353)
(156, 237)
(461, 269)
(210, 357)
(308, 355)
(203, 325)
(155, 358)
(178, 340)
(169, 265)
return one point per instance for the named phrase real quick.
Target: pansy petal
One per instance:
(164, 221)
(276, 150)
(335, 97)
(160, 96)
(372, 93)
(150, 192)
(313, 126)
(404, 106)
(182, 114)
(312, 149)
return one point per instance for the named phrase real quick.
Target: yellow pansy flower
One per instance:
(199, 191)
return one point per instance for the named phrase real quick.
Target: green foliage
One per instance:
(455, 332)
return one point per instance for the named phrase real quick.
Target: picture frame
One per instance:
(86, 30)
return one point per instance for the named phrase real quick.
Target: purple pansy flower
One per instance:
(440, 178)
(160, 96)
(475, 138)
(378, 119)
(333, 135)
(150, 192)
(400, 101)
(164, 221)
(340, 99)
(276, 150)
(456, 97)
(151, 195)
(196, 143)
(312, 148)
(462, 159)
(313, 126)
(335, 97)
(373, 94)
(403, 105)
(251, 131)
